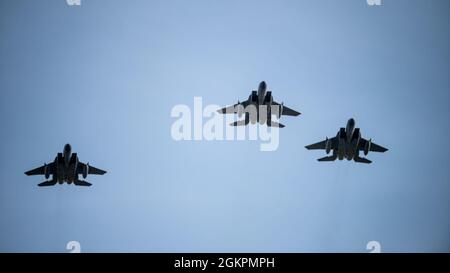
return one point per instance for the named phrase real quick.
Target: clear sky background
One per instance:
(105, 75)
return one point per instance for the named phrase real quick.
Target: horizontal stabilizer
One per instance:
(275, 124)
(327, 158)
(362, 160)
(82, 183)
(47, 183)
(239, 123)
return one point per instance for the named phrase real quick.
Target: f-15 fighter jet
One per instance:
(347, 144)
(260, 99)
(65, 168)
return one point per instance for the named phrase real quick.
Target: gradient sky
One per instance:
(105, 75)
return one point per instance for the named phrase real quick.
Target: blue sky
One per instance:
(104, 77)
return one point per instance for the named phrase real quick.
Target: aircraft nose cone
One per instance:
(67, 147)
(263, 85)
(351, 122)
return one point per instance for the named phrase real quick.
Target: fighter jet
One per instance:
(253, 105)
(65, 168)
(347, 144)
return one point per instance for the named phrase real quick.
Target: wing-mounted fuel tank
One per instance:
(239, 109)
(280, 111)
(46, 171)
(367, 146)
(327, 145)
(85, 170)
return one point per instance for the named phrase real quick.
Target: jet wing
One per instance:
(322, 145)
(232, 109)
(41, 170)
(91, 170)
(287, 111)
(228, 110)
(373, 147)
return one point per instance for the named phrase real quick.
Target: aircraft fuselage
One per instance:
(347, 142)
(66, 166)
(261, 102)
